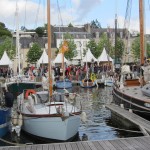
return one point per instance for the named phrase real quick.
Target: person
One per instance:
(9, 98)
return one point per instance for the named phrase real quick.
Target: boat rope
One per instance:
(37, 13)
(125, 130)
(12, 143)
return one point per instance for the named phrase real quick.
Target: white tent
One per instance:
(43, 59)
(104, 57)
(59, 60)
(88, 57)
(5, 60)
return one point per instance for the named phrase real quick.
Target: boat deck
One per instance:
(137, 143)
(135, 91)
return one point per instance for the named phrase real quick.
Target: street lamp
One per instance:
(80, 44)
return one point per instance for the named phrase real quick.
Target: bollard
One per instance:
(122, 105)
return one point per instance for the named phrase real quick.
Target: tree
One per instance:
(135, 48)
(70, 25)
(93, 47)
(95, 24)
(34, 53)
(4, 32)
(72, 52)
(8, 46)
(104, 42)
(119, 49)
(40, 31)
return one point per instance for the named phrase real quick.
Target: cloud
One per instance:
(132, 26)
(84, 7)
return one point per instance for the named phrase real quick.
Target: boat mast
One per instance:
(17, 40)
(141, 18)
(115, 40)
(49, 49)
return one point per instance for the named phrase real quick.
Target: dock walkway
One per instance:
(138, 143)
(139, 121)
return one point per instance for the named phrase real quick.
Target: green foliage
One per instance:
(72, 52)
(119, 49)
(40, 31)
(105, 42)
(148, 50)
(135, 48)
(34, 53)
(95, 24)
(4, 32)
(7, 45)
(94, 48)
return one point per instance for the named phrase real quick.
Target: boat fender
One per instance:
(59, 109)
(20, 122)
(83, 117)
(28, 92)
(14, 119)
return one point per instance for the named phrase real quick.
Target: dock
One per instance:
(143, 124)
(132, 143)
(137, 143)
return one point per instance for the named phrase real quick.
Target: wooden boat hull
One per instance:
(132, 82)
(87, 84)
(138, 106)
(52, 128)
(5, 116)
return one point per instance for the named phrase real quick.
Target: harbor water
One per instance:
(98, 126)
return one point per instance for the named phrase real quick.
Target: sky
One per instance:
(32, 13)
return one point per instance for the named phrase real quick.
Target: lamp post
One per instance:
(80, 44)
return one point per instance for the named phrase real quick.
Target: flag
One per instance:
(64, 47)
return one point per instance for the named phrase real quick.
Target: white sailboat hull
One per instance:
(54, 128)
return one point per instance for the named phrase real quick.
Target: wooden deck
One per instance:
(137, 143)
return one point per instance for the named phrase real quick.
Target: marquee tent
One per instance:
(43, 59)
(59, 60)
(88, 57)
(104, 57)
(5, 60)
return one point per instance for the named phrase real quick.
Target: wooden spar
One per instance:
(141, 18)
(63, 68)
(49, 49)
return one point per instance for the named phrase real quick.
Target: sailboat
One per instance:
(17, 83)
(129, 92)
(46, 117)
(90, 80)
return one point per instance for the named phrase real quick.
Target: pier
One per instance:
(137, 143)
(132, 143)
(142, 123)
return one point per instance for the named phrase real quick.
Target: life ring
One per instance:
(28, 92)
